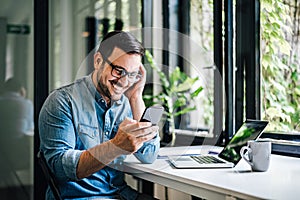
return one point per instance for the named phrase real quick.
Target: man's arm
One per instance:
(135, 95)
(58, 137)
(125, 142)
(138, 107)
(148, 152)
(96, 158)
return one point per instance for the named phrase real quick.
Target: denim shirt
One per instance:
(75, 118)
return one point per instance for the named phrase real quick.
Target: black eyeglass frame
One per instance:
(132, 76)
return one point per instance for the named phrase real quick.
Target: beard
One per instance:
(107, 91)
(110, 90)
(104, 89)
(101, 87)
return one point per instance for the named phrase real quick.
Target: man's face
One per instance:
(112, 87)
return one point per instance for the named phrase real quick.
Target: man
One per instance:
(16, 114)
(17, 125)
(87, 128)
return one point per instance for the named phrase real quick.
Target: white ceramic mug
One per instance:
(259, 153)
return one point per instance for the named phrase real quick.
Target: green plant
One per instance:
(175, 95)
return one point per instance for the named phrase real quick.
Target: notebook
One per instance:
(230, 155)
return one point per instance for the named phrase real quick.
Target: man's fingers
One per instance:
(128, 121)
(145, 132)
(131, 127)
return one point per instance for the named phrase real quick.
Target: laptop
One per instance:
(229, 156)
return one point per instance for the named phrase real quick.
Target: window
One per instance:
(77, 27)
(280, 65)
(186, 40)
(280, 79)
(201, 32)
(16, 99)
(265, 82)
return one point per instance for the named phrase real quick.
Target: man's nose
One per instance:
(123, 81)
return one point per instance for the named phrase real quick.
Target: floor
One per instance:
(16, 193)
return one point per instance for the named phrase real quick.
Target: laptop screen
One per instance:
(250, 130)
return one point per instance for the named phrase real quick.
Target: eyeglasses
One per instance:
(120, 72)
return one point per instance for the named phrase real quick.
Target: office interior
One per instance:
(245, 54)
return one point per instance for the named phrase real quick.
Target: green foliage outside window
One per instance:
(280, 67)
(280, 53)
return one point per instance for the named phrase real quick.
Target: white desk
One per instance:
(281, 181)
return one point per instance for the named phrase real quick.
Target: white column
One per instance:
(66, 61)
(2, 49)
(157, 41)
(118, 9)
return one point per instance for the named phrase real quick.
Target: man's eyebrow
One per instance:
(123, 68)
(118, 66)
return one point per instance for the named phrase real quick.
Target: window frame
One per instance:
(248, 29)
(243, 101)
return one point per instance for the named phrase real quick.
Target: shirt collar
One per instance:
(11, 93)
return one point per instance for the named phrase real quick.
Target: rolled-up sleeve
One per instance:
(148, 152)
(69, 162)
(58, 137)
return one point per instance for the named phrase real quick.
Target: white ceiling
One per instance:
(17, 11)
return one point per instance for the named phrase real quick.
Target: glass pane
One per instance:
(201, 33)
(77, 27)
(16, 99)
(280, 49)
(183, 73)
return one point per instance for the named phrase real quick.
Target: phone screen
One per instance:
(152, 114)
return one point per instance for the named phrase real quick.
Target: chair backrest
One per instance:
(49, 176)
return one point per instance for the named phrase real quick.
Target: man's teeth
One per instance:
(116, 87)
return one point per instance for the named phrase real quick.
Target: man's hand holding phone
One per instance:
(153, 115)
(132, 135)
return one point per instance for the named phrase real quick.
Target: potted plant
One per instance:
(176, 95)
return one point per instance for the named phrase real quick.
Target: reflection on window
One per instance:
(76, 27)
(118, 15)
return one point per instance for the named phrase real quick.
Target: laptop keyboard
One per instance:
(206, 159)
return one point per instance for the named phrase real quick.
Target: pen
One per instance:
(213, 152)
(186, 154)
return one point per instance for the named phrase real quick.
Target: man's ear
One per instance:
(97, 60)
(22, 92)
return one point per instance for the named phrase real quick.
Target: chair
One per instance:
(49, 176)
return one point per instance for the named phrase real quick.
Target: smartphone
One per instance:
(152, 114)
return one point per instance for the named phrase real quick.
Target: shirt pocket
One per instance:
(88, 135)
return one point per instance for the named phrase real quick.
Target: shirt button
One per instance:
(106, 133)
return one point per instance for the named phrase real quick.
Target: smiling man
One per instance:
(88, 127)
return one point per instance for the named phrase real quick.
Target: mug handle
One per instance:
(243, 154)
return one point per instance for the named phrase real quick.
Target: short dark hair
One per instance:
(12, 85)
(123, 40)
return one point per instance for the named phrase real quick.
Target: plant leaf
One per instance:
(179, 102)
(196, 92)
(185, 110)
(186, 85)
